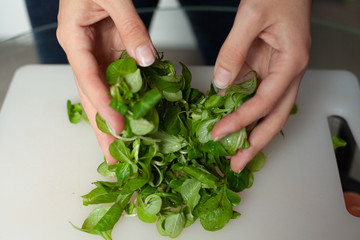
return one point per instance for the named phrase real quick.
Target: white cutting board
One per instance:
(46, 164)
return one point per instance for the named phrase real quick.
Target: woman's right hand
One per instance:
(90, 32)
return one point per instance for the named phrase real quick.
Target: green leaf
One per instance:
(294, 110)
(171, 120)
(152, 204)
(211, 91)
(248, 87)
(233, 197)
(169, 143)
(134, 81)
(153, 117)
(149, 100)
(107, 185)
(135, 149)
(130, 209)
(100, 195)
(234, 141)
(187, 78)
(204, 132)
(195, 95)
(214, 101)
(123, 172)
(251, 180)
(127, 131)
(102, 219)
(109, 219)
(145, 216)
(171, 225)
(107, 170)
(237, 181)
(147, 190)
(175, 184)
(201, 175)
(117, 101)
(173, 96)
(194, 153)
(124, 54)
(141, 126)
(168, 83)
(216, 212)
(120, 151)
(158, 175)
(163, 67)
(160, 226)
(94, 217)
(189, 216)
(235, 215)
(138, 182)
(230, 102)
(215, 148)
(74, 112)
(338, 142)
(257, 163)
(101, 124)
(246, 144)
(120, 68)
(112, 215)
(175, 198)
(190, 193)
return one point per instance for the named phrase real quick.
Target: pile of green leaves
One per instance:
(169, 169)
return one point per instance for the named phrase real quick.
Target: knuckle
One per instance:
(266, 101)
(261, 104)
(131, 28)
(280, 117)
(300, 46)
(252, 11)
(59, 29)
(59, 36)
(302, 57)
(253, 150)
(232, 56)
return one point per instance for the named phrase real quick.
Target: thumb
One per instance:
(132, 30)
(233, 52)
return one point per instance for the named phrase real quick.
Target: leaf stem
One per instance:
(106, 235)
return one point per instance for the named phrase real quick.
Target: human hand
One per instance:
(89, 31)
(271, 37)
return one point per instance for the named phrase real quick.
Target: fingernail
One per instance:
(217, 138)
(240, 170)
(145, 55)
(222, 78)
(112, 130)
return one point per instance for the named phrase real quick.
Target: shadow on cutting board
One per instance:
(348, 161)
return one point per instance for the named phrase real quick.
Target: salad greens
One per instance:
(75, 112)
(338, 142)
(169, 169)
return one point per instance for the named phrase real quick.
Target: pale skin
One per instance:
(269, 36)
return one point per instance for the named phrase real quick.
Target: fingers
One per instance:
(272, 37)
(282, 69)
(104, 140)
(83, 37)
(267, 128)
(232, 55)
(132, 30)
(91, 84)
(268, 93)
(78, 41)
